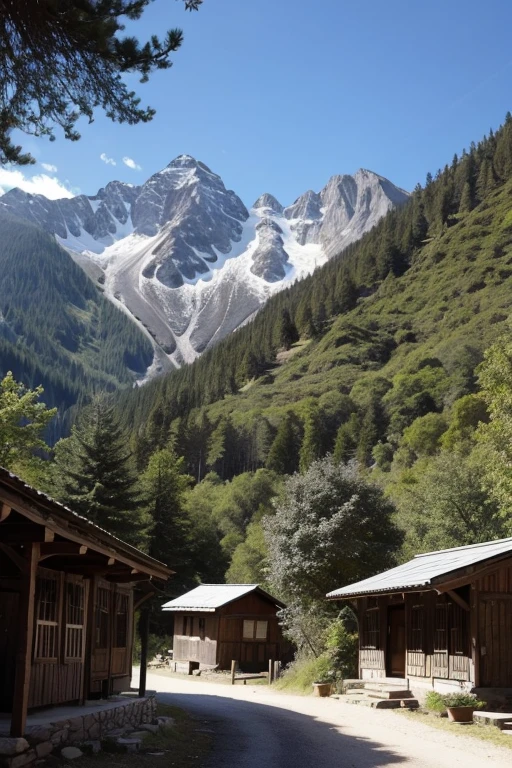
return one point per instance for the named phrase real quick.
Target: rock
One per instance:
(130, 745)
(38, 734)
(71, 753)
(12, 746)
(92, 745)
(44, 748)
(139, 735)
(150, 728)
(196, 672)
(59, 736)
(21, 761)
(165, 722)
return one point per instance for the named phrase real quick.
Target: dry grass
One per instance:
(488, 733)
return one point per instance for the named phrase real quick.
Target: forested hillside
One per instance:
(56, 329)
(389, 331)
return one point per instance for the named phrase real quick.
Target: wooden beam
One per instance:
(458, 599)
(127, 578)
(137, 604)
(144, 643)
(5, 511)
(56, 548)
(18, 560)
(471, 576)
(49, 535)
(25, 638)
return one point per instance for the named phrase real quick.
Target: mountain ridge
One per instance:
(185, 257)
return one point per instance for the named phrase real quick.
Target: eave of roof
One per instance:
(429, 570)
(51, 510)
(215, 596)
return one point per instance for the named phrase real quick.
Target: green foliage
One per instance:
(443, 504)
(496, 436)
(467, 413)
(56, 328)
(22, 422)
(462, 699)
(94, 476)
(300, 675)
(423, 436)
(434, 702)
(342, 647)
(248, 564)
(62, 60)
(330, 528)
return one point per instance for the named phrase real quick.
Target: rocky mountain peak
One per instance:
(269, 202)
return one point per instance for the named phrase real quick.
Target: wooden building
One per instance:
(217, 623)
(442, 620)
(68, 591)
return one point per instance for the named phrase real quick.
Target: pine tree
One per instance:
(94, 476)
(286, 332)
(312, 447)
(283, 456)
(347, 439)
(164, 484)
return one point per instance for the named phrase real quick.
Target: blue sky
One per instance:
(278, 95)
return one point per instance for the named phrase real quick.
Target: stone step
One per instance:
(498, 719)
(387, 693)
(376, 703)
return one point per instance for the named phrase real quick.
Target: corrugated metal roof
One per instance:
(209, 597)
(427, 569)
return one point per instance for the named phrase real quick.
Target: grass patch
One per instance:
(487, 733)
(301, 674)
(183, 745)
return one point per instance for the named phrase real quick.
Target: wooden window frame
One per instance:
(41, 624)
(102, 608)
(416, 642)
(371, 640)
(254, 630)
(202, 628)
(121, 599)
(73, 630)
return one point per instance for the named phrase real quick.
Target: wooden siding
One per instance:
(437, 636)
(494, 627)
(222, 639)
(55, 683)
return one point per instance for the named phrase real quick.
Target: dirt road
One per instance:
(254, 727)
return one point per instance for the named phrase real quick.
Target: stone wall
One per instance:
(40, 740)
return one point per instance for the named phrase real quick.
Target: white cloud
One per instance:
(49, 167)
(41, 184)
(131, 164)
(107, 160)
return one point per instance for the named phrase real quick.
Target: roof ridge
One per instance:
(464, 546)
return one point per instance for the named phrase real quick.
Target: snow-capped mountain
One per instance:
(187, 260)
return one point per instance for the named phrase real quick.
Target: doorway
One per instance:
(395, 666)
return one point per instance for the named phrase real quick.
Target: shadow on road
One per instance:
(252, 735)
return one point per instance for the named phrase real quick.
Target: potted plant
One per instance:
(460, 706)
(323, 686)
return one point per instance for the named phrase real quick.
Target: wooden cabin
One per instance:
(68, 591)
(217, 623)
(442, 620)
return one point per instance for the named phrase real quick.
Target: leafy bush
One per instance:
(342, 648)
(434, 702)
(303, 672)
(462, 699)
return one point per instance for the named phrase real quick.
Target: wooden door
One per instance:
(9, 620)
(396, 641)
(495, 615)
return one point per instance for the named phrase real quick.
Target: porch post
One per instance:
(144, 639)
(26, 634)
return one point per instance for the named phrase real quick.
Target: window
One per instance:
(74, 630)
(101, 618)
(417, 635)
(255, 630)
(121, 622)
(371, 629)
(188, 626)
(47, 612)
(441, 627)
(202, 629)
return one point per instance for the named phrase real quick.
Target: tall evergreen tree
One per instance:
(312, 447)
(286, 331)
(283, 456)
(94, 475)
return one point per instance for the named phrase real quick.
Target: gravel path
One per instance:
(255, 727)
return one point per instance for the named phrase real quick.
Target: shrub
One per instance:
(462, 699)
(434, 702)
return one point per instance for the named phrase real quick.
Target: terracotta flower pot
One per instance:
(321, 689)
(460, 714)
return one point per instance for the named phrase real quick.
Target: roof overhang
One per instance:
(68, 540)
